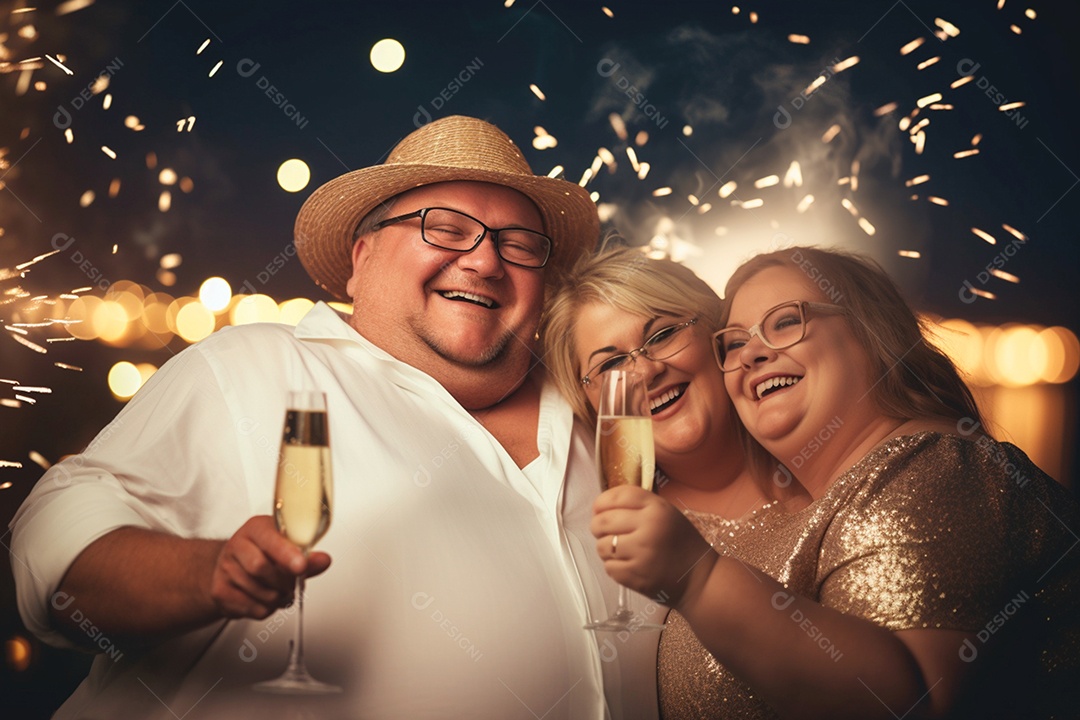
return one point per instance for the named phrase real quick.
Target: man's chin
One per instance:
(479, 354)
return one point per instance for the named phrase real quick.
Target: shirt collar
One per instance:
(323, 322)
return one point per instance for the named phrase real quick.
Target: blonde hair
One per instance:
(626, 279)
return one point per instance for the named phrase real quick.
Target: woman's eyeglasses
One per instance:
(663, 344)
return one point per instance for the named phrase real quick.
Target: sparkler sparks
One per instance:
(911, 46)
(947, 27)
(883, 110)
(1015, 233)
(845, 64)
(71, 6)
(59, 64)
(924, 101)
(767, 181)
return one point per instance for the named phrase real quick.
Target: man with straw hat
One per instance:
(463, 569)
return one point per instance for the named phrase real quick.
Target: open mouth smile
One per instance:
(664, 401)
(461, 296)
(773, 384)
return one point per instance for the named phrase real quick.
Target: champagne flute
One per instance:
(303, 494)
(624, 456)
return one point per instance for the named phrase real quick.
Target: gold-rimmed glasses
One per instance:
(661, 345)
(781, 327)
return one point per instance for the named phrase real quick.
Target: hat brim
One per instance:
(328, 219)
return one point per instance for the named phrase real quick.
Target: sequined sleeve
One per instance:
(923, 540)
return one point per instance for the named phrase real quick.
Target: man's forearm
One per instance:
(142, 585)
(137, 583)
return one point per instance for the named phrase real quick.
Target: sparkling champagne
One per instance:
(302, 495)
(302, 499)
(625, 451)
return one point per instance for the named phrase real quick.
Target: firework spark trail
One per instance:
(918, 128)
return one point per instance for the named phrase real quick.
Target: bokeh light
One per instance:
(1011, 355)
(174, 309)
(387, 55)
(254, 308)
(1070, 354)
(82, 313)
(110, 321)
(145, 371)
(293, 175)
(194, 322)
(290, 312)
(215, 293)
(155, 307)
(1020, 356)
(19, 653)
(124, 380)
(171, 261)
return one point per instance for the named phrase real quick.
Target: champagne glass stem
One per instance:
(623, 607)
(296, 657)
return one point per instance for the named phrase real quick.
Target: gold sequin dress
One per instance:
(926, 531)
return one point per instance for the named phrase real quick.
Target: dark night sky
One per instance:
(694, 62)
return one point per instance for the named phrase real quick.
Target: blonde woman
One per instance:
(621, 309)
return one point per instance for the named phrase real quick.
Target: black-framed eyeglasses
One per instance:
(450, 229)
(661, 345)
(780, 327)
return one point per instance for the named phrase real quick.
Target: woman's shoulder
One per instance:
(971, 516)
(929, 458)
(952, 481)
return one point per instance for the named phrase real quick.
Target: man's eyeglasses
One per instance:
(453, 230)
(662, 345)
(780, 327)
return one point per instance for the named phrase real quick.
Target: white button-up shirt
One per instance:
(459, 581)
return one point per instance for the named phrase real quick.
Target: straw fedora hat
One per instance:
(452, 148)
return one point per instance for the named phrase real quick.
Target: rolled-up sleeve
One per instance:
(139, 471)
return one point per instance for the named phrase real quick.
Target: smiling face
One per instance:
(467, 319)
(686, 391)
(787, 397)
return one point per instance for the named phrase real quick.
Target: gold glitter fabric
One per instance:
(926, 531)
